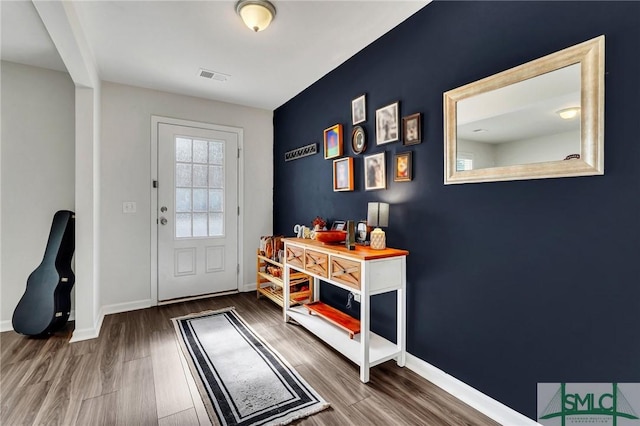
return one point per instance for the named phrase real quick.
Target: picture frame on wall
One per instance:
(358, 140)
(387, 124)
(402, 167)
(359, 110)
(333, 142)
(412, 129)
(343, 174)
(375, 176)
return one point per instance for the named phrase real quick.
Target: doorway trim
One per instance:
(156, 120)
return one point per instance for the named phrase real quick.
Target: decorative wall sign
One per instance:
(303, 151)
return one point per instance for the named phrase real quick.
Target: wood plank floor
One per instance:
(135, 374)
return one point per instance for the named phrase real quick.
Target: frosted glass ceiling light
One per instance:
(256, 14)
(568, 113)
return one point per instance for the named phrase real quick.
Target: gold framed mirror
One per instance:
(542, 119)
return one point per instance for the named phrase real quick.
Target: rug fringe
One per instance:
(290, 420)
(203, 313)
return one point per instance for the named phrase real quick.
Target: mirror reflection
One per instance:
(521, 123)
(542, 119)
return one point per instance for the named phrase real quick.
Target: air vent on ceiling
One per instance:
(213, 75)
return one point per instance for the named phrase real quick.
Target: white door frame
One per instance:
(155, 122)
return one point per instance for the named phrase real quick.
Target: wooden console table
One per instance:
(362, 271)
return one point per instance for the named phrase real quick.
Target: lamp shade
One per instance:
(378, 214)
(256, 14)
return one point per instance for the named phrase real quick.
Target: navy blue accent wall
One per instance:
(509, 283)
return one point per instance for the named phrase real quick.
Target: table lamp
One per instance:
(378, 215)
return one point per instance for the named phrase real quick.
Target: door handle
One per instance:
(163, 209)
(163, 221)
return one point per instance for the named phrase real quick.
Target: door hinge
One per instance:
(155, 183)
(238, 269)
(238, 152)
(238, 210)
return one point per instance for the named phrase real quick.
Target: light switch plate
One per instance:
(129, 207)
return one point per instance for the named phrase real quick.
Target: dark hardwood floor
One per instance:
(134, 373)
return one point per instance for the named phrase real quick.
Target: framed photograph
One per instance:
(387, 124)
(358, 140)
(333, 142)
(338, 225)
(411, 125)
(402, 171)
(359, 110)
(343, 174)
(375, 176)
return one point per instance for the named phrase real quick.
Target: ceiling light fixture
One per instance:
(568, 113)
(256, 14)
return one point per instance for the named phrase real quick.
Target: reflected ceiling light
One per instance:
(256, 14)
(568, 113)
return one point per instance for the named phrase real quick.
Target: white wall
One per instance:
(538, 150)
(483, 153)
(125, 176)
(38, 164)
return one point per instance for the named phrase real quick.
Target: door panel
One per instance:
(197, 211)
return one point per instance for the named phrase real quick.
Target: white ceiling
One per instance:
(162, 44)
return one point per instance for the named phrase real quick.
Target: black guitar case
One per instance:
(46, 304)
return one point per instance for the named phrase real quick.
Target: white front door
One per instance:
(197, 211)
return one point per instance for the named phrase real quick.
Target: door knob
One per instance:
(163, 209)
(163, 221)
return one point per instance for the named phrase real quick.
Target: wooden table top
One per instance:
(361, 252)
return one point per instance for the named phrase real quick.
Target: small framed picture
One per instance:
(387, 124)
(375, 176)
(402, 171)
(359, 109)
(338, 225)
(411, 129)
(333, 142)
(358, 140)
(343, 174)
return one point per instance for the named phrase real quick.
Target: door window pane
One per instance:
(200, 175)
(183, 174)
(216, 152)
(216, 177)
(183, 199)
(183, 225)
(200, 151)
(215, 200)
(199, 224)
(199, 200)
(183, 149)
(216, 224)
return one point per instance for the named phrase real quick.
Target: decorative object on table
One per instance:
(359, 109)
(256, 14)
(301, 152)
(343, 174)
(358, 140)
(338, 225)
(331, 237)
(378, 216)
(402, 169)
(333, 142)
(302, 231)
(412, 129)
(387, 124)
(319, 224)
(362, 232)
(254, 386)
(350, 241)
(375, 175)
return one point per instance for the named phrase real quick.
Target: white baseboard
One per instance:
(93, 333)
(246, 288)
(8, 326)
(467, 394)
